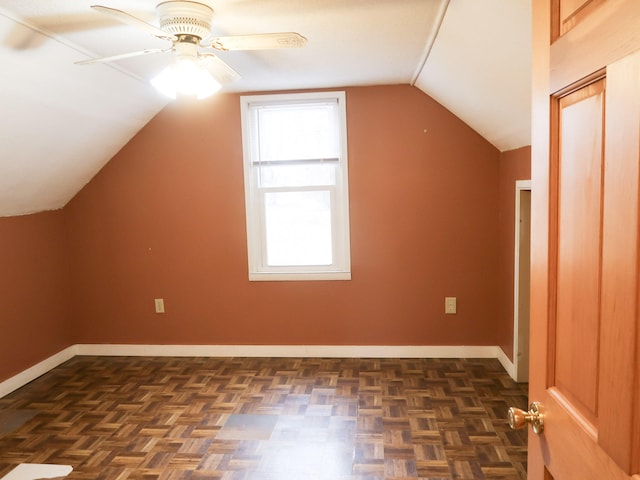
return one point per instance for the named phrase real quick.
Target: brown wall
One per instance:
(165, 218)
(514, 165)
(33, 290)
(430, 215)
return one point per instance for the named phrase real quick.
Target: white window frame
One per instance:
(340, 269)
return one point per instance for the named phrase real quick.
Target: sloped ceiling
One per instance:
(480, 68)
(62, 122)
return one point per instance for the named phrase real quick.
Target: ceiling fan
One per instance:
(187, 25)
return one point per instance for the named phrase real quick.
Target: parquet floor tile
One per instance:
(142, 418)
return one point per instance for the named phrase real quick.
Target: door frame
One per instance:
(518, 330)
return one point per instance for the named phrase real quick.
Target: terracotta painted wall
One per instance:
(165, 218)
(514, 165)
(33, 290)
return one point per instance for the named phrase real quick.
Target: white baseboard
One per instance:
(37, 370)
(329, 351)
(506, 363)
(326, 351)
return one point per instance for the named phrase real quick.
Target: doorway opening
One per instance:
(521, 281)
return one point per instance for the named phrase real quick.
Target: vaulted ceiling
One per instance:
(62, 122)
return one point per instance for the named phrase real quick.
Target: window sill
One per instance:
(299, 276)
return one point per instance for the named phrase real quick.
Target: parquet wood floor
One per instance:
(142, 418)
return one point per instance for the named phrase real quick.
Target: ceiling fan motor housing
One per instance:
(185, 18)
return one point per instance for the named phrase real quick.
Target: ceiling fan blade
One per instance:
(135, 21)
(261, 41)
(123, 55)
(222, 72)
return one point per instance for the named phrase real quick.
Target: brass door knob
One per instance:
(519, 418)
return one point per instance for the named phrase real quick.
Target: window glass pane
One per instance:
(298, 228)
(297, 132)
(297, 175)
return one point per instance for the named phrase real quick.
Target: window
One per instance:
(296, 187)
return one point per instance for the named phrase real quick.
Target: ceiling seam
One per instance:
(430, 41)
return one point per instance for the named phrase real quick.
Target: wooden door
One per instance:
(585, 262)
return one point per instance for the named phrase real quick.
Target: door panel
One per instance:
(581, 116)
(585, 288)
(619, 400)
(570, 12)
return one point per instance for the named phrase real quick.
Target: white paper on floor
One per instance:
(36, 471)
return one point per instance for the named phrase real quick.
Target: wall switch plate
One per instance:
(450, 305)
(159, 305)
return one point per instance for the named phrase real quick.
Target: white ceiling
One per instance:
(61, 122)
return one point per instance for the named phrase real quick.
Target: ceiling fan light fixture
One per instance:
(193, 71)
(186, 77)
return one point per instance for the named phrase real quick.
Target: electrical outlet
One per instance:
(450, 305)
(159, 305)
